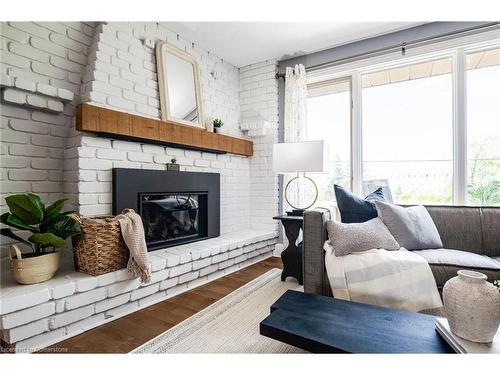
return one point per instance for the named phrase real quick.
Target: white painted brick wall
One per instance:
(111, 303)
(41, 152)
(61, 320)
(28, 315)
(25, 331)
(145, 291)
(86, 298)
(47, 59)
(122, 76)
(119, 65)
(259, 100)
(125, 73)
(42, 315)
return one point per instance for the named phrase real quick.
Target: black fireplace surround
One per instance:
(175, 207)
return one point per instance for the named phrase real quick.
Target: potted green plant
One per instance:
(49, 228)
(217, 125)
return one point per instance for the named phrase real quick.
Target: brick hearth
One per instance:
(35, 316)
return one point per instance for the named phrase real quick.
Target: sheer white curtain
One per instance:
(295, 121)
(295, 103)
(295, 126)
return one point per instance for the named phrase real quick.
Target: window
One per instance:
(483, 127)
(426, 125)
(329, 118)
(408, 131)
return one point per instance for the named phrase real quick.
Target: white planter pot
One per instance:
(472, 306)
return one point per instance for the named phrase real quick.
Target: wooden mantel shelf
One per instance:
(121, 125)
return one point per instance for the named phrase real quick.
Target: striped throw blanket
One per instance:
(398, 279)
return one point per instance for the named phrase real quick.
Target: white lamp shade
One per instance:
(293, 157)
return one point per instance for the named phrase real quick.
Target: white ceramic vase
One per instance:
(472, 306)
(209, 125)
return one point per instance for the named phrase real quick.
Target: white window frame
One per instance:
(457, 49)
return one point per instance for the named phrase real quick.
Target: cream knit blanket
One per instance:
(133, 235)
(398, 279)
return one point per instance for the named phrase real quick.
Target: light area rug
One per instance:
(230, 325)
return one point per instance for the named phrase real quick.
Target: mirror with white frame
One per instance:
(179, 84)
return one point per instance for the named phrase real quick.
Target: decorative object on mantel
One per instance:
(179, 85)
(300, 157)
(173, 166)
(121, 125)
(20, 91)
(217, 125)
(209, 125)
(49, 227)
(472, 306)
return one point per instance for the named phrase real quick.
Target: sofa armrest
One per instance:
(315, 235)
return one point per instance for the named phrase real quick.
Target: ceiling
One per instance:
(244, 43)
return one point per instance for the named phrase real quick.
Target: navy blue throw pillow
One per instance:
(354, 209)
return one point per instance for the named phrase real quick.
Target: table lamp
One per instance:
(297, 158)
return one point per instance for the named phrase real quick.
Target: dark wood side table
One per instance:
(292, 255)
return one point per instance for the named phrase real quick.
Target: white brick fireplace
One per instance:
(107, 64)
(35, 316)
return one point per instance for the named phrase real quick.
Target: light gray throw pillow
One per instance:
(347, 238)
(412, 227)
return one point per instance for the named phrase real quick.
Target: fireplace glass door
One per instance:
(173, 218)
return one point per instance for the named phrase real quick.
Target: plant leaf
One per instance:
(47, 239)
(65, 227)
(3, 218)
(35, 199)
(53, 210)
(14, 221)
(22, 206)
(66, 213)
(7, 232)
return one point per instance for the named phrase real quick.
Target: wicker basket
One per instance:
(32, 270)
(100, 248)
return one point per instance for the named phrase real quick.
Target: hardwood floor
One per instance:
(124, 334)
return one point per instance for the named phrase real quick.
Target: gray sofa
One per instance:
(470, 235)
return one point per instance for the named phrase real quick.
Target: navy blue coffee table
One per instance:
(320, 324)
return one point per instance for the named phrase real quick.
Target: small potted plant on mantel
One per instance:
(49, 229)
(217, 125)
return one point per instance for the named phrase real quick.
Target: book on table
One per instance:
(463, 346)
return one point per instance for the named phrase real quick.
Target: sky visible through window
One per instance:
(483, 135)
(408, 137)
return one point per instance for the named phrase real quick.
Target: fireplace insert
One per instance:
(173, 217)
(175, 207)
